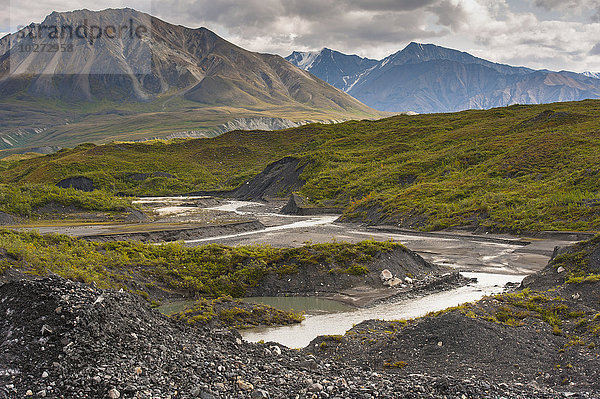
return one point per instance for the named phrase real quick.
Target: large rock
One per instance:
(294, 205)
(135, 216)
(7, 219)
(393, 282)
(297, 205)
(278, 179)
(386, 275)
(79, 183)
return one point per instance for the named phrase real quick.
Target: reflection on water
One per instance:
(308, 305)
(315, 221)
(170, 308)
(300, 335)
(233, 206)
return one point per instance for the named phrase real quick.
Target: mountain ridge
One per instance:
(187, 75)
(427, 78)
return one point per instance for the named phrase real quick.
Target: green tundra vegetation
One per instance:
(558, 306)
(23, 200)
(576, 262)
(512, 169)
(226, 311)
(553, 302)
(209, 271)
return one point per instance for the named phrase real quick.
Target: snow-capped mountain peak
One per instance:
(304, 59)
(595, 75)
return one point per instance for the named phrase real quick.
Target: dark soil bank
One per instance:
(327, 280)
(66, 340)
(296, 205)
(545, 334)
(278, 180)
(157, 236)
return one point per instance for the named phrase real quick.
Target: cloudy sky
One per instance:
(552, 34)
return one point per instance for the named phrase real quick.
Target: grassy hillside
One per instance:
(23, 200)
(514, 168)
(27, 122)
(208, 271)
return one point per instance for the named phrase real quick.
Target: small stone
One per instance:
(560, 269)
(97, 379)
(42, 393)
(244, 386)
(46, 329)
(309, 364)
(276, 350)
(440, 343)
(315, 387)
(220, 386)
(114, 394)
(29, 392)
(259, 394)
(45, 374)
(58, 310)
(408, 280)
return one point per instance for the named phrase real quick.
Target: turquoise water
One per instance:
(300, 335)
(308, 305)
(169, 308)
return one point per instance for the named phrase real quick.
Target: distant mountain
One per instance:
(589, 74)
(337, 69)
(167, 67)
(426, 78)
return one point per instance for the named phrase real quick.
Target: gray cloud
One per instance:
(567, 4)
(553, 4)
(286, 25)
(450, 14)
(591, 8)
(595, 50)
(554, 34)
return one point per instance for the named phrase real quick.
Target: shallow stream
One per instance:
(493, 264)
(329, 320)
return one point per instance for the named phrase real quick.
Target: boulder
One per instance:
(79, 183)
(394, 282)
(294, 205)
(135, 216)
(297, 205)
(6, 219)
(386, 275)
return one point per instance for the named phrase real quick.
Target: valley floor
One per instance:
(170, 359)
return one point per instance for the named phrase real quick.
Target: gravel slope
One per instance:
(66, 340)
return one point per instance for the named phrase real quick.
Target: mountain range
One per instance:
(159, 80)
(426, 78)
(168, 79)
